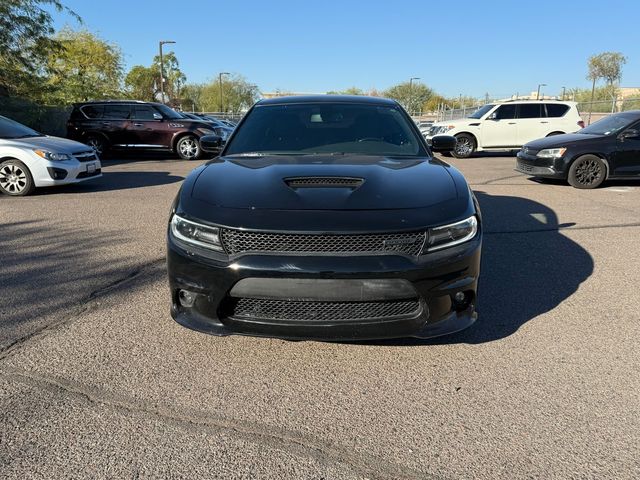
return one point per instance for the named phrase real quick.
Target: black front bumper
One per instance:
(431, 280)
(536, 167)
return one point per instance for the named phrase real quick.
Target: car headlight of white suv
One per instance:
(53, 156)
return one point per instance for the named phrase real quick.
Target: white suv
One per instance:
(509, 125)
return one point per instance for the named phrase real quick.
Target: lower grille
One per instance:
(240, 241)
(524, 167)
(87, 174)
(291, 310)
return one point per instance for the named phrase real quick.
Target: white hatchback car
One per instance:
(509, 125)
(29, 159)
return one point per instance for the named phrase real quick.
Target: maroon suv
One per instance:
(132, 124)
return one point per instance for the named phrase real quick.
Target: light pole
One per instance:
(411, 92)
(538, 94)
(563, 90)
(162, 42)
(220, 80)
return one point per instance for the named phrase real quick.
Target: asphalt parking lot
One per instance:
(97, 380)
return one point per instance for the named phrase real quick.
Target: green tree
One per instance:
(606, 66)
(141, 83)
(192, 96)
(174, 78)
(85, 67)
(237, 94)
(348, 91)
(411, 96)
(25, 44)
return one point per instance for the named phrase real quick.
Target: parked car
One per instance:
(325, 217)
(134, 124)
(607, 149)
(219, 127)
(509, 125)
(425, 126)
(29, 159)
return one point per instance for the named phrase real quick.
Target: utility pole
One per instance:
(220, 80)
(538, 94)
(162, 42)
(563, 90)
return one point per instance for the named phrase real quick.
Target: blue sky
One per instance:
(464, 47)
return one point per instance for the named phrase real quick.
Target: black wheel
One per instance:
(588, 171)
(98, 143)
(15, 178)
(465, 146)
(188, 148)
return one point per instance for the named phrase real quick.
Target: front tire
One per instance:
(465, 146)
(188, 148)
(587, 172)
(15, 178)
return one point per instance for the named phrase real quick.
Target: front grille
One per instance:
(297, 310)
(323, 182)
(86, 156)
(240, 241)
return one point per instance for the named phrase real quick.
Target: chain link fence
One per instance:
(50, 120)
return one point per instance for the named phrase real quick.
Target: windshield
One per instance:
(168, 112)
(481, 111)
(12, 129)
(609, 125)
(335, 128)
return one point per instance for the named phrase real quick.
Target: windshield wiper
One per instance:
(30, 136)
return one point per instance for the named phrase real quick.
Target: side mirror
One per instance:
(630, 133)
(157, 116)
(493, 116)
(211, 143)
(443, 143)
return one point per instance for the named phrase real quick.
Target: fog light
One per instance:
(186, 298)
(462, 300)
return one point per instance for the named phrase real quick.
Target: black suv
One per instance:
(108, 125)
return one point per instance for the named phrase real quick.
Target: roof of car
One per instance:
(91, 102)
(327, 99)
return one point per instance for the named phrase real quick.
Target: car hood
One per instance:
(386, 182)
(53, 144)
(559, 141)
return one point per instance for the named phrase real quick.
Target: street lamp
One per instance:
(411, 92)
(563, 90)
(538, 94)
(162, 42)
(220, 80)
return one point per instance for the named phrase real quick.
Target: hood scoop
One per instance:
(323, 182)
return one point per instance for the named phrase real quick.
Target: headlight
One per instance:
(196, 234)
(551, 153)
(206, 131)
(453, 234)
(52, 156)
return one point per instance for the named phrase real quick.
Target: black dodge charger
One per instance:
(607, 149)
(325, 217)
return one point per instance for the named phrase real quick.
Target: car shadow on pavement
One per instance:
(115, 181)
(48, 271)
(528, 268)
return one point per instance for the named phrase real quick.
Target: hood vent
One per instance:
(323, 182)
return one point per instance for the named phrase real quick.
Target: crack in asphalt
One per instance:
(83, 306)
(323, 451)
(562, 228)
